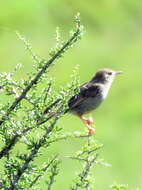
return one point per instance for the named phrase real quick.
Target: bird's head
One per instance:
(105, 76)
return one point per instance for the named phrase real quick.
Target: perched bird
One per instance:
(91, 95)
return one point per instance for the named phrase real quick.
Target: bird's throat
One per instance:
(106, 88)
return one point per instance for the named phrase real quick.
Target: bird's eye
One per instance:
(110, 73)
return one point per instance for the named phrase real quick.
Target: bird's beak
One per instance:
(118, 72)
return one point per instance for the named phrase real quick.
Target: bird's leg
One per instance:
(88, 122)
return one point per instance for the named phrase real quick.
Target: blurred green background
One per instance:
(113, 39)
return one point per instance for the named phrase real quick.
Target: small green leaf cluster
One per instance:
(119, 187)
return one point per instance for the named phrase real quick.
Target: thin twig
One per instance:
(76, 158)
(30, 101)
(55, 103)
(26, 98)
(44, 169)
(32, 155)
(85, 172)
(68, 136)
(52, 179)
(88, 164)
(47, 91)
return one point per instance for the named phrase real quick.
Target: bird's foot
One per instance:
(91, 131)
(88, 121)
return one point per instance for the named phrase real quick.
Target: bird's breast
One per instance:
(88, 105)
(92, 103)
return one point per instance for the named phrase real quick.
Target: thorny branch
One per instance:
(39, 74)
(47, 91)
(89, 161)
(44, 169)
(32, 155)
(14, 139)
(54, 172)
(34, 81)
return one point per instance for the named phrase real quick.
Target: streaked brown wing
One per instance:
(86, 90)
(75, 100)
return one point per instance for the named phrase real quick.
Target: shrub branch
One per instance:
(32, 155)
(5, 150)
(34, 81)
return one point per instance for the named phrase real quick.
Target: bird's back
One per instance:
(89, 98)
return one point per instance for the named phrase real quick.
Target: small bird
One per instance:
(91, 95)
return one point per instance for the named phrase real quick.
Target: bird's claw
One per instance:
(89, 121)
(91, 131)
